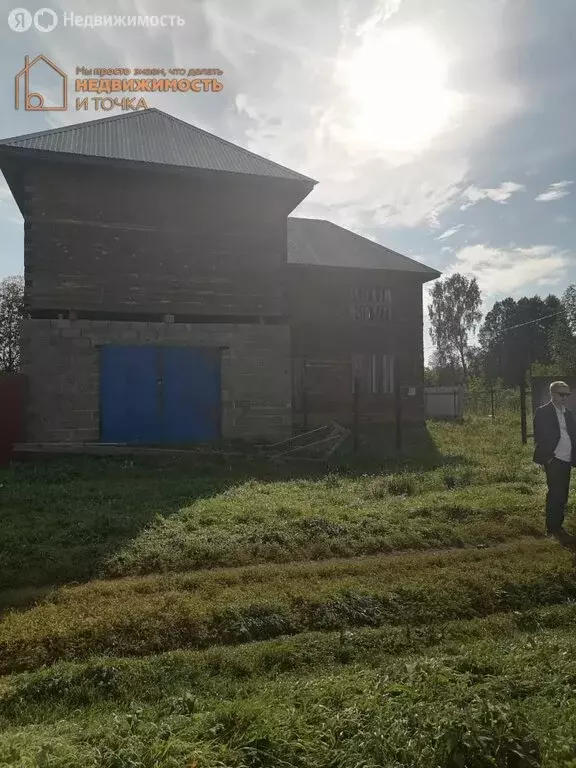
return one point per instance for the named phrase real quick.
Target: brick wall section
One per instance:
(61, 360)
(323, 329)
(143, 241)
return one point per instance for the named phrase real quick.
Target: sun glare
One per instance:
(396, 84)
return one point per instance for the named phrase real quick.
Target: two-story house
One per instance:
(168, 292)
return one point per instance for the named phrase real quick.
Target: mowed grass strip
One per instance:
(54, 692)
(503, 701)
(155, 614)
(284, 522)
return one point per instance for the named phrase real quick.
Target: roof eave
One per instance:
(426, 274)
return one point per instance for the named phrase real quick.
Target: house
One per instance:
(168, 291)
(355, 312)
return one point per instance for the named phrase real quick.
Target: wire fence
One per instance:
(493, 401)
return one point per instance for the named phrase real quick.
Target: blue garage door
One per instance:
(159, 395)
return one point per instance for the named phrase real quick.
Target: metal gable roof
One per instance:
(322, 243)
(152, 136)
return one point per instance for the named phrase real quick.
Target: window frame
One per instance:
(376, 371)
(371, 305)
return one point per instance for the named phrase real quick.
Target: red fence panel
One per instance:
(12, 410)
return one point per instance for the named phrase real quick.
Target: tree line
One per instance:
(515, 339)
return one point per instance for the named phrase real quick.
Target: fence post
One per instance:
(356, 414)
(523, 411)
(398, 418)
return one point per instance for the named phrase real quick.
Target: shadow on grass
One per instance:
(62, 518)
(378, 451)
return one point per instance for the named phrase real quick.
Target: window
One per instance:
(374, 372)
(387, 374)
(371, 305)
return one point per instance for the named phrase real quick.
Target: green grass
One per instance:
(76, 520)
(142, 616)
(482, 694)
(215, 612)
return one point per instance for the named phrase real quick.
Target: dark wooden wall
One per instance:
(325, 336)
(112, 241)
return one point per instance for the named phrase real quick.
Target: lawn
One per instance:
(204, 612)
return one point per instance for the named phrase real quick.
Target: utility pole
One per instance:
(523, 425)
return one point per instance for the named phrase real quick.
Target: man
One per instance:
(555, 439)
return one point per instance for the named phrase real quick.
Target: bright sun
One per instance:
(396, 82)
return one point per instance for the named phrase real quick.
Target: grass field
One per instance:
(215, 612)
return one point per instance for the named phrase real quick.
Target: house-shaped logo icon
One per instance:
(34, 101)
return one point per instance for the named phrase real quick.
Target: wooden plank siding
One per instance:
(148, 242)
(325, 338)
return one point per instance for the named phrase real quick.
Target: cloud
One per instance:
(284, 99)
(450, 232)
(555, 191)
(500, 194)
(507, 271)
(9, 211)
(385, 11)
(407, 199)
(292, 106)
(5, 193)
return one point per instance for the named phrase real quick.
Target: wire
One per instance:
(512, 327)
(529, 322)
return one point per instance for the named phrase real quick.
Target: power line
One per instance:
(512, 327)
(529, 322)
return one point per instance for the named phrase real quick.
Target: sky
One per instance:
(443, 129)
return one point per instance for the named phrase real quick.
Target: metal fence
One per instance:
(456, 402)
(443, 402)
(491, 402)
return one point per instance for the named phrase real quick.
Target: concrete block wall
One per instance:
(61, 361)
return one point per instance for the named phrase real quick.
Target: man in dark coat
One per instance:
(555, 450)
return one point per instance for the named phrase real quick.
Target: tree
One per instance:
(11, 317)
(516, 334)
(454, 314)
(444, 373)
(563, 334)
(476, 362)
